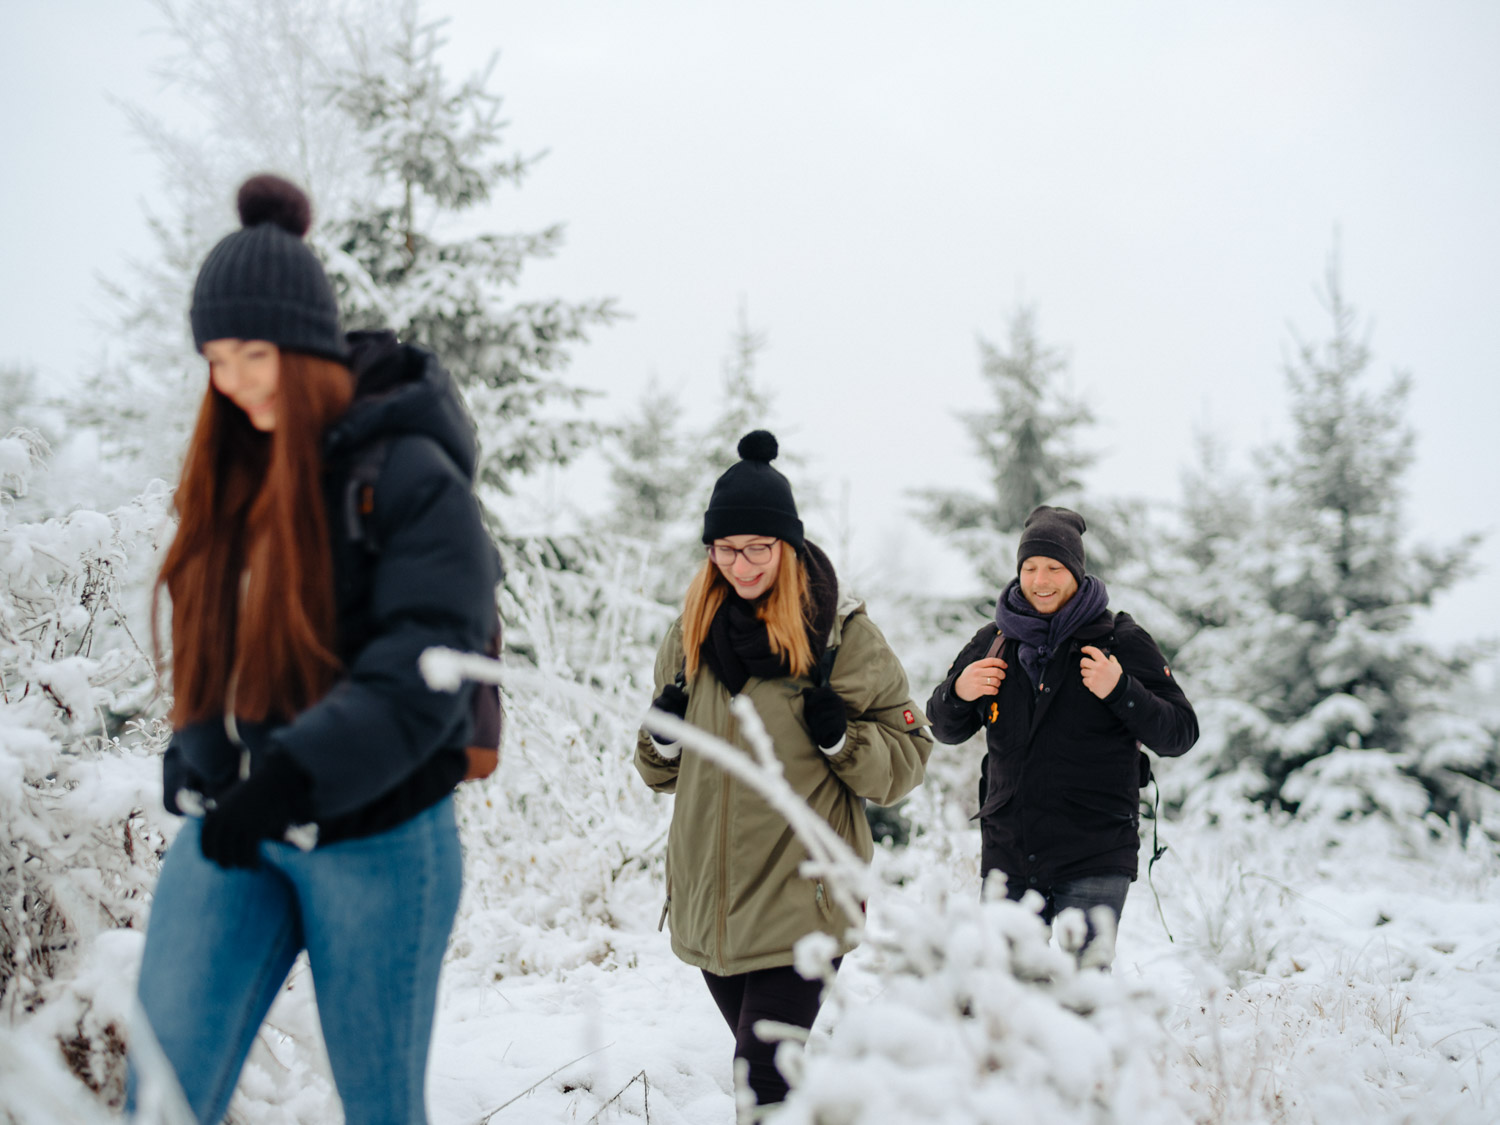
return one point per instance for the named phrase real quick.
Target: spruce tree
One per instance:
(1318, 687)
(661, 473)
(1028, 444)
(744, 403)
(254, 77)
(434, 155)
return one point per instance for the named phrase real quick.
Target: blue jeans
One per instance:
(374, 915)
(1083, 892)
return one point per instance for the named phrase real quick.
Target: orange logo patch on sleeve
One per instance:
(1167, 670)
(911, 720)
(994, 711)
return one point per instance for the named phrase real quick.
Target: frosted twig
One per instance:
(639, 1076)
(829, 856)
(485, 1118)
(446, 669)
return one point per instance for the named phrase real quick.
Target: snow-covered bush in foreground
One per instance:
(978, 1019)
(565, 825)
(79, 800)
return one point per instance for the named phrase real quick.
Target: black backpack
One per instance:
(485, 709)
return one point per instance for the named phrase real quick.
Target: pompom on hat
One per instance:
(752, 498)
(263, 282)
(1054, 533)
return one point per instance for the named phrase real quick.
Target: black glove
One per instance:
(262, 807)
(823, 712)
(673, 700)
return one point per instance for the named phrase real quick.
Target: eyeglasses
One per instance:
(755, 553)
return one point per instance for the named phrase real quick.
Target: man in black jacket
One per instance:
(1067, 692)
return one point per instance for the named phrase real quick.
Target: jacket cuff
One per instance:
(830, 751)
(945, 695)
(1116, 697)
(668, 751)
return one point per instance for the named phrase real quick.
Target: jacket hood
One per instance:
(402, 389)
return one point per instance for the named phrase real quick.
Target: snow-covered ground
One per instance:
(1309, 977)
(1345, 971)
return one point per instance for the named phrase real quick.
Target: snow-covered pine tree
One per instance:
(744, 403)
(1028, 443)
(250, 83)
(661, 472)
(433, 154)
(653, 470)
(1319, 694)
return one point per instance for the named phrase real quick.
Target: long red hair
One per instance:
(251, 514)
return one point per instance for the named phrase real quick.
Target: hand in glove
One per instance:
(262, 807)
(673, 700)
(823, 712)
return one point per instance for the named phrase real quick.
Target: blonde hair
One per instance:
(785, 609)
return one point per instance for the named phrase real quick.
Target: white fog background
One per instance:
(880, 184)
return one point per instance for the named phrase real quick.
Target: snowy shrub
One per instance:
(565, 826)
(78, 790)
(1328, 970)
(979, 1019)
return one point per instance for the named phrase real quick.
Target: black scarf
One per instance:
(738, 645)
(1040, 635)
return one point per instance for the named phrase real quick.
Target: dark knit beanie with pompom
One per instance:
(751, 498)
(263, 282)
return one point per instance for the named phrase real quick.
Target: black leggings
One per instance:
(778, 994)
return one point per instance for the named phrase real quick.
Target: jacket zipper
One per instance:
(231, 725)
(721, 904)
(666, 905)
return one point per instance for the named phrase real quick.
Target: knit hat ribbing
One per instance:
(263, 282)
(1054, 533)
(752, 498)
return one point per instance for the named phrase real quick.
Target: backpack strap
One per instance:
(486, 710)
(359, 495)
(824, 671)
(996, 645)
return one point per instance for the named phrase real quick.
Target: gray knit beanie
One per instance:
(1054, 533)
(263, 282)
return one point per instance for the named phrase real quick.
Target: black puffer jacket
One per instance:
(1060, 789)
(381, 746)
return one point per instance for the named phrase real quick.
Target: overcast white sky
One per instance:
(881, 182)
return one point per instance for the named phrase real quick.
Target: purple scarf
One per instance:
(1041, 635)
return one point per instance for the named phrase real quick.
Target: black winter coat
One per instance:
(1060, 786)
(382, 746)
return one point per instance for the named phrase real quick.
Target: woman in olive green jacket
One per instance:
(757, 621)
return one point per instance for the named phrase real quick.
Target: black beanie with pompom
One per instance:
(263, 282)
(752, 498)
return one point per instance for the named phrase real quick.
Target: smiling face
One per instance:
(749, 563)
(247, 373)
(1046, 584)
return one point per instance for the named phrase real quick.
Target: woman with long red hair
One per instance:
(327, 534)
(765, 619)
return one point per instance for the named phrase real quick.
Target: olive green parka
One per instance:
(736, 900)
